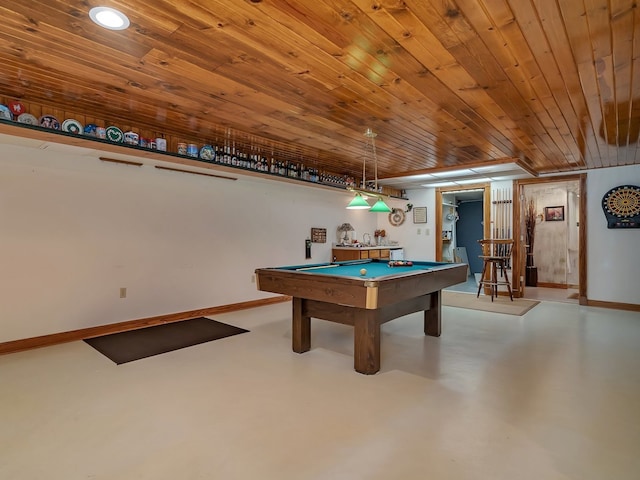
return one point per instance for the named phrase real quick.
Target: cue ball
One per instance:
(363, 271)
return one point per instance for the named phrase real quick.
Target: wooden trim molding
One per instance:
(75, 335)
(193, 173)
(519, 251)
(582, 243)
(123, 162)
(553, 285)
(582, 231)
(486, 210)
(631, 307)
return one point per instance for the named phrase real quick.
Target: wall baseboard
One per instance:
(552, 285)
(75, 335)
(632, 307)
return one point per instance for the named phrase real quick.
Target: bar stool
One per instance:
(495, 257)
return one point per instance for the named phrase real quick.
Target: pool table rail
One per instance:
(368, 293)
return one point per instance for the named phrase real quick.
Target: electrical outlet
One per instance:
(253, 279)
(419, 231)
(123, 292)
(426, 231)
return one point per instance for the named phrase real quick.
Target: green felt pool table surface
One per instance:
(374, 268)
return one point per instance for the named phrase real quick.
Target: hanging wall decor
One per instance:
(554, 214)
(319, 235)
(420, 215)
(621, 206)
(396, 217)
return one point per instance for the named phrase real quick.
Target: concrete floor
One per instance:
(550, 395)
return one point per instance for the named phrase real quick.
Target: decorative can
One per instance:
(152, 144)
(161, 144)
(90, 129)
(101, 132)
(131, 138)
(182, 148)
(192, 150)
(143, 142)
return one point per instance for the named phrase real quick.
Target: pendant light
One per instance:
(380, 207)
(359, 201)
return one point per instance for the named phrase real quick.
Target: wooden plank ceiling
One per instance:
(551, 84)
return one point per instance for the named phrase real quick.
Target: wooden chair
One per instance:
(496, 255)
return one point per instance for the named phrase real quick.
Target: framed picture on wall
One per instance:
(420, 215)
(554, 214)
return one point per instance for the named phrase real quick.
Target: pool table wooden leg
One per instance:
(301, 328)
(367, 343)
(432, 317)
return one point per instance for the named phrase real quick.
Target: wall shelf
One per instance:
(34, 132)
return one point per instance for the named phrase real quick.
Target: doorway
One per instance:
(461, 217)
(559, 242)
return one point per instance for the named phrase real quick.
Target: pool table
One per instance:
(343, 292)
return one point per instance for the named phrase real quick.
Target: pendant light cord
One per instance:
(372, 136)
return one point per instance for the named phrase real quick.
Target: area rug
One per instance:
(133, 345)
(501, 304)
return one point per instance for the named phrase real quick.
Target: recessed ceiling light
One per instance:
(452, 173)
(472, 180)
(109, 18)
(439, 184)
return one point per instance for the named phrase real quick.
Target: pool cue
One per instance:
(356, 262)
(316, 267)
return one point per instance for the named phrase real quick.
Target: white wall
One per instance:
(418, 239)
(613, 273)
(613, 262)
(74, 230)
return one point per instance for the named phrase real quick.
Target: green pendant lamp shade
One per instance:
(380, 207)
(358, 203)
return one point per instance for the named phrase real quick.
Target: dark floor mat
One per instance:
(136, 344)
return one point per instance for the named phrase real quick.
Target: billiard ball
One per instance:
(363, 271)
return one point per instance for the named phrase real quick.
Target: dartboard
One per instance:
(621, 206)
